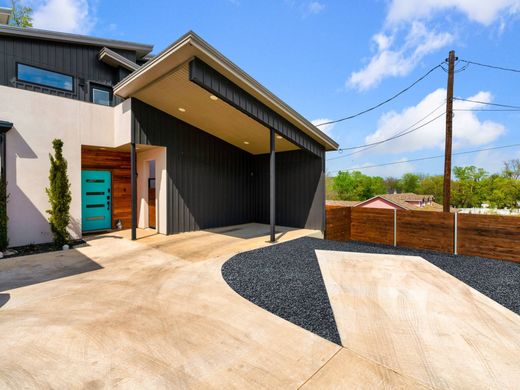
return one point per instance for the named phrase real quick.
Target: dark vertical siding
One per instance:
(212, 183)
(300, 189)
(209, 180)
(80, 61)
(208, 78)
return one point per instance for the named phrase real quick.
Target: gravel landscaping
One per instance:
(286, 280)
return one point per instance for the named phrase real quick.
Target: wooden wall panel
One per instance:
(338, 223)
(372, 225)
(425, 230)
(119, 164)
(491, 236)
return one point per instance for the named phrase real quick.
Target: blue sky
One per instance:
(328, 59)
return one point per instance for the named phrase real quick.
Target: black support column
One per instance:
(272, 184)
(133, 183)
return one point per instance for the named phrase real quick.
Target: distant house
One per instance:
(405, 201)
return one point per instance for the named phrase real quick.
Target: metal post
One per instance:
(133, 184)
(395, 227)
(455, 228)
(272, 184)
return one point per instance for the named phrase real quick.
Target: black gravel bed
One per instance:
(286, 280)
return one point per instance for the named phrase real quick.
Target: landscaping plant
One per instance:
(59, 195)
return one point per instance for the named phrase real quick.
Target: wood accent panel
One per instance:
(493, 236)
(119, 164)
(372, 225)
(151, 207)
(425, 230)
(338, 223)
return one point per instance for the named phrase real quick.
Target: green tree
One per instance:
(468, 190)
(432, 185)
(501, 192)
(21, 16)
(512, 169)
(392, 185)
(59, 195)
(409, 182)
(330, 193)
(357, 186)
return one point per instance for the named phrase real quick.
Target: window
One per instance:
(101, 95)
(33, 75)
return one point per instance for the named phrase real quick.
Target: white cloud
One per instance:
(327, 129)
(315, 7)
(468, 129)
(73, 16)
(389, 61)
(485, 12)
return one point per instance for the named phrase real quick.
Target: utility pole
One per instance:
(449, 133)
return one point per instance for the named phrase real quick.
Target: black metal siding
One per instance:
(209, 180)
(80, 61)
(208, 78)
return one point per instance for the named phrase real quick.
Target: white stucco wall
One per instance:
(143, 157)
(38, 119)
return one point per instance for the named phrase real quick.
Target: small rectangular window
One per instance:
(34, 75)
(101, 95)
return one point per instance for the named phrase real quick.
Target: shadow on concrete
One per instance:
(28, 270)
(4, 298)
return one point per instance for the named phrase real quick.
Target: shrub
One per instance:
(59, 195)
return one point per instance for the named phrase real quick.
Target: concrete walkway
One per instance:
(117, 313)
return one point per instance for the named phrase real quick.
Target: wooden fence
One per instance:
(491, 236)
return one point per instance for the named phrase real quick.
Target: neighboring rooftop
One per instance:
(406, 201)
(141, 49)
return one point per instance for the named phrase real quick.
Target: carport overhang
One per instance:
(195, 83)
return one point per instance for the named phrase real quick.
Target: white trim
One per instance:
(109, 57)
(124, 87)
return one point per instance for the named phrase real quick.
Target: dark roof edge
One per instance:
(5, 126)
(140, 48)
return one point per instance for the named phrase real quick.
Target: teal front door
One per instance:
(96, 200)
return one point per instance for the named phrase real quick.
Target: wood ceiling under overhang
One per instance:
(175, 90)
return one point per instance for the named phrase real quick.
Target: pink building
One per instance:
(405, 201)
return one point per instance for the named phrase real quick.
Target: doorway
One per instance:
(151, 195)
(96, 200)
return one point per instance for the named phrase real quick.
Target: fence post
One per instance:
(455, 228)
(395, 227)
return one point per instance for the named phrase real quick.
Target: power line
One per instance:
(491, 66)
(486, 103)
(389, 139)
(383, 102)
(487, 110)
(427, 158)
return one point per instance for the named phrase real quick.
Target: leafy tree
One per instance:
(21, 16)
(409, 182)
(59, 195)
(432, 185)
(392, 185)
(512, 169)
(357, 186)
(330, 193)
(501, 192)
(468, 189)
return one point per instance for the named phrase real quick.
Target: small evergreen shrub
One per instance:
(4, 196)
(59, 195)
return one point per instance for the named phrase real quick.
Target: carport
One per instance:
(235, 153)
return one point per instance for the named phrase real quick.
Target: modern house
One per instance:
(180, 141)
(403, 201)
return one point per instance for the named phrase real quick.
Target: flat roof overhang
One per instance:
(153, 81)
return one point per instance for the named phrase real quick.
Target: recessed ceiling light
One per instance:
(246, 142)
(213, 97)
(181, 109)
(279, 137)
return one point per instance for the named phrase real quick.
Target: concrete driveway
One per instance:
(117, 313)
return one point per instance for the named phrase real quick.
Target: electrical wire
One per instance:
(391, 138)
(487, 110)
(491, 66)
(425, 158)
(383, 102)
(486, 103)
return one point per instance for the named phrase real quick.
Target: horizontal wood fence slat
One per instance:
(490, 236)
(372, 225)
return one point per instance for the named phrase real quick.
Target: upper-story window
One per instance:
(47, 78)
(101, 95)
